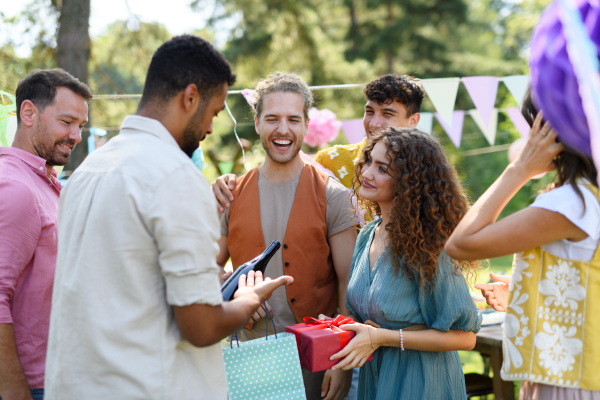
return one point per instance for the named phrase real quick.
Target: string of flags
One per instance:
(442, 93)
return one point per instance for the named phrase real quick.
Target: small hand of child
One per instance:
(496, 294)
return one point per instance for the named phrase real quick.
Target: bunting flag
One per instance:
(442, 93)
(517, 86)
(11, 129)
(8, 107)
(354, 130)
(426, 122)
(489, 129)
(483, 90)
(518, 121)
(454, 131)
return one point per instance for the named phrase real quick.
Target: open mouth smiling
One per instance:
(65, 147)
(282, 144)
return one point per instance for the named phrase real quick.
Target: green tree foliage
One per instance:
(334, 42)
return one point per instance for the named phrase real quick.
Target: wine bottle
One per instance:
(258, 263)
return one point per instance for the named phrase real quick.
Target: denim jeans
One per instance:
(37, 394)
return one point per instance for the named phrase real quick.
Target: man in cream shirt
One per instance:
(137, 311)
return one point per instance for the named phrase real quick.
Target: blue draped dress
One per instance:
(393, 301)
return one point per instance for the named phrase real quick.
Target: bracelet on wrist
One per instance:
(401, 340)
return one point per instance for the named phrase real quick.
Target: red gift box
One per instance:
(318, 340)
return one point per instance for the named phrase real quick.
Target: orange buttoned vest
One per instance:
(305, 250)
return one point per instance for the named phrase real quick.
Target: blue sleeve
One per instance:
(449, 305)
(361, 240)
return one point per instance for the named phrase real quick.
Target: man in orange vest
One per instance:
(392, 100)
(287, 200)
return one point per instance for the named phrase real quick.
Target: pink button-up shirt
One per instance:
(28, 246)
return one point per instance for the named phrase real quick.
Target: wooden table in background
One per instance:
(489, 343)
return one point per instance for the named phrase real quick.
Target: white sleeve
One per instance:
(184, 223)
(564, 200)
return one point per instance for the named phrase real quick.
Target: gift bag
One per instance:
(265, 368)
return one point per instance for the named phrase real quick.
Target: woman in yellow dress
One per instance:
(552, 300)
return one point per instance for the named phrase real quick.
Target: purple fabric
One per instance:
(553, 80)
(28, 246)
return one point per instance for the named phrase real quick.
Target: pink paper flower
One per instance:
(323, 127)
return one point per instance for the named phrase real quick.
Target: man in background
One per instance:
(52, 107)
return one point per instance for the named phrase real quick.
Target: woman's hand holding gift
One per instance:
(360, 347)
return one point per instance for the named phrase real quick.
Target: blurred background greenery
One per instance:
(331, 42)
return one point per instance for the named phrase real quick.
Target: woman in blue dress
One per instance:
(411, 300)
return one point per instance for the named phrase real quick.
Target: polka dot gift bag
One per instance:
(267, 368)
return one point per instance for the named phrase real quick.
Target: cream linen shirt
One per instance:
(138, 231)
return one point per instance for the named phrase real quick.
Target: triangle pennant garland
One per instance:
(11, 129)
(519, 121)
(488, 130)
(483, 90)
(517, 86)
(426, 122)
(454, 131)
(354, 130)
(442, 93)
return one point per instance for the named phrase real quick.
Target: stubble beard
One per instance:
(266, 144)
(47, 147)
(191, 138)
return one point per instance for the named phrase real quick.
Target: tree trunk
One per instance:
(73, 55)
(388, 54)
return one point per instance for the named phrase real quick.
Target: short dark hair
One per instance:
(184, 60)
(39, 87)
(395, 87)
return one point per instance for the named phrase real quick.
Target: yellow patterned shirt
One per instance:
(552, 324)
(340, 160)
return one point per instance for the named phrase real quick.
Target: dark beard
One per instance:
(46, 147)
(191, 138)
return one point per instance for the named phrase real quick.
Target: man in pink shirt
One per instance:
(51, 111)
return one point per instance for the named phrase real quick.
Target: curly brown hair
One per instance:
(429, 201)
(404, 89)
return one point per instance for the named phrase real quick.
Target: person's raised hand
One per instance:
(359, 349)
(537, 156)
(496, 294)
(222, 190)
(255, 285)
